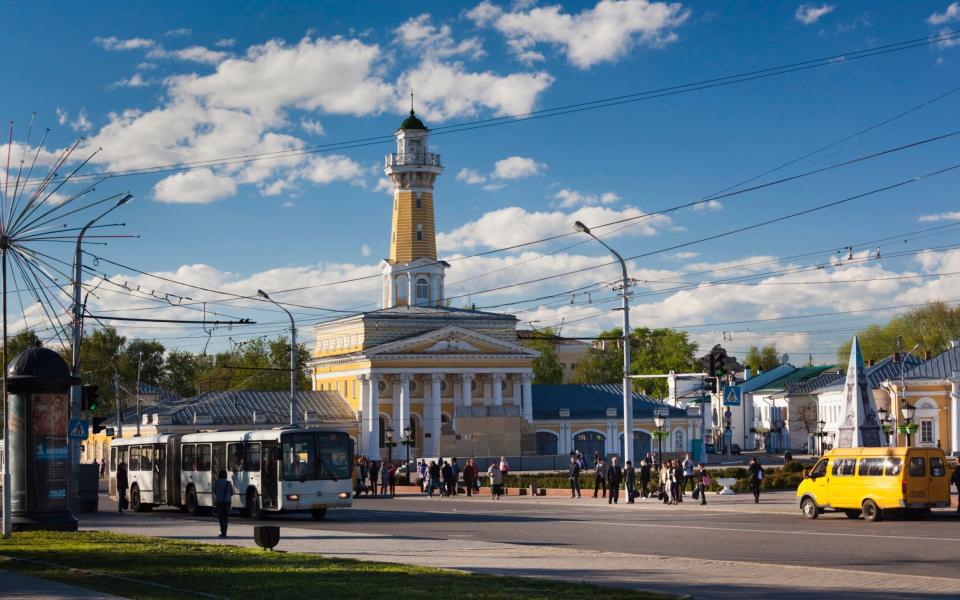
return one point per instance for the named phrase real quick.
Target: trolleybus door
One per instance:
(269, 472)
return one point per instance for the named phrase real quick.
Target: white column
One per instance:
(955, 414)
(404, 413)
(410, 300)
(364, 402)
(515, 379)
(433, 425)
(467, 394)
(373, 431)
(528, 397)
(496, 380)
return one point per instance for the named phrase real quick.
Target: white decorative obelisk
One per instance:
(859, 423)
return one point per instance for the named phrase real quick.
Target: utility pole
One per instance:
(137, 391)
(116, 394)
(293, 358)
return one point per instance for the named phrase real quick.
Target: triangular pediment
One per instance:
(451, 340)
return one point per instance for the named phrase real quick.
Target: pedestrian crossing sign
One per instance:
(731, 396)
(78, 429)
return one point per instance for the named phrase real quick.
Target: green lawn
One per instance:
(225, 571)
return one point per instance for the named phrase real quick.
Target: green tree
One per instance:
(181, 371)
(19, 343)
(762, 359)
(929, 327)
(546, 367)
(260, 364)
(604, 362)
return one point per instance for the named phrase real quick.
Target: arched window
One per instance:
(589, 442)
(678, 445)
(423, 291)
(547, 443)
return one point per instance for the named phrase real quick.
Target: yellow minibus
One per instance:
(876, 481)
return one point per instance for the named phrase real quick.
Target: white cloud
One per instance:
(420, 35)
(947, 216)
(81, 123)
(684, 255)
(312, 126)
(951, 14)
(62, 116)
(114, 43)
(198, 54)
(567, 198)
(136, 80)
(180, 32)
(808, 14)
(384, 185)
(225, 43)
(147, 66)
(516, 167)
(603, 33)
(513, 225)
(199, 186)
(471, 176)
(708, 206)
(365, 250)
(327, 169)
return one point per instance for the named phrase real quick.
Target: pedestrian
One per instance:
(433, 473)
(456, 477)
(687, 475)
(422, 475)
(504, 466)
(599, 476)
(663, 491)
(374, 472)
(384, 478)
(645, 476)
(446, 476)
(756, 476)
(222, 497)
(574, 477)
(630, 477)
(496, 481)
(469, 476)
(678, 481)
(359, 475)
(103, 469)
(955, 480)
(122, 485)
(703, 483)
(614, 479)
(392, 478)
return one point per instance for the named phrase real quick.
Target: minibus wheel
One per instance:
(871, 512)
(852, 514)
(809, 508)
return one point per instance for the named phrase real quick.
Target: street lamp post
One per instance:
(293, 358)
(659, 421)
(389, 444)
(728, 434)
(73, 446)
(407, 441)
(137, 392)
(908, 427)
(820, 433)
(627, 388)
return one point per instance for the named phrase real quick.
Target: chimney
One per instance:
(746, 373)
(870, 362)
(927, 355)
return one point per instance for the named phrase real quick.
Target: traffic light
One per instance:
(710, 384)
(89, 398)
(719, 360)
(98, 425)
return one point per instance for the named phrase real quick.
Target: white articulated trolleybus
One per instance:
(272, 470)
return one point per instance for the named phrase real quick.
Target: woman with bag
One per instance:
(756, 476)
(663, 493)
(496, 481)
(703, 484)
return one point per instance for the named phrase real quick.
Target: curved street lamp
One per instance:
(659, 420)
(293, 357)
(908, 427)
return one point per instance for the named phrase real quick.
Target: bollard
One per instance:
(266, 536)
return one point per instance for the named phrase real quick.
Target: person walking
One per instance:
(678, 480)
(122, 485)
(687, 475)
(433, 475)
(384, 478)
(374, 471)
(422, 475)
(496, 481)
(630, 477)
(955, 480)
(663, 491)
(574, 477)
(222, 497)
(392, 478)
(446, 479)
(702, 483)
(614, 479)
(469, 476)
(756, 477)
(455, 481)
(599, 476)
(645, 476)
(359, 475)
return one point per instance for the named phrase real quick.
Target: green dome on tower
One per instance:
(412, 122)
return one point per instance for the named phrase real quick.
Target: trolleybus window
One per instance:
(299, 456)
(188, 457)
(334, 455)
(134, 464)
(219, 457)
(146, 458)
(113, 459)
(252, 457)
(203, 457)
(234, 457)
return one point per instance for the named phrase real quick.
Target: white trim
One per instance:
(579, 431)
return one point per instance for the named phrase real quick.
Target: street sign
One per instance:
(79, 429)
(731, 396)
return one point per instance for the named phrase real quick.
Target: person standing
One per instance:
(455, 481)
(496, 481)
(384, 478)
(374, 471)
(630, 477)
(687, 475)
(955, 480)
(599, 476)
(433, 473)
(614, 479)
(222, 497)
(422, 474)
(122, 485)
(664, 488)
(678, 481)
(392, 478)
(645, 476)
(469, 476)
(756, 477)
(446, 479)
(702, 483)
(574, 477)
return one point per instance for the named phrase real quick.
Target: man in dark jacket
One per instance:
(222, 498)
(374, 472)
(574, 477)
(122, 484)
(469, 476)
(630, 475)
(446, 477)
(645, 475)
(614, 479)
(599, 476)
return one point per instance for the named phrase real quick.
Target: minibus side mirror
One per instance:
(806, 474)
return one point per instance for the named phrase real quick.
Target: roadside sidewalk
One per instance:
(24, 587)
(726, 580)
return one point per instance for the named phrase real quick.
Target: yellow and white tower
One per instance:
(413, 276)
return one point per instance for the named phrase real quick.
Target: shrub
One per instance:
(794, 466)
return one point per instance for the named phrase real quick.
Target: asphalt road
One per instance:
(730, 531)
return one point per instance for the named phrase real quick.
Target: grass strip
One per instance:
(151, 568)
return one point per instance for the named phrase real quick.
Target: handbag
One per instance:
(696, 493)
(705, 480)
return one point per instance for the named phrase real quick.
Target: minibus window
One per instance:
(871, 467)
(820, 470)
(937, 468)
(844, 466)
(893, 466)
(918, 467)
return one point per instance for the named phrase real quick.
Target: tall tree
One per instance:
(546, 367)
(20, 342)
(762, 359)
(929, 327)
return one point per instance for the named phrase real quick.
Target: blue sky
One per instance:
(178, 82)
